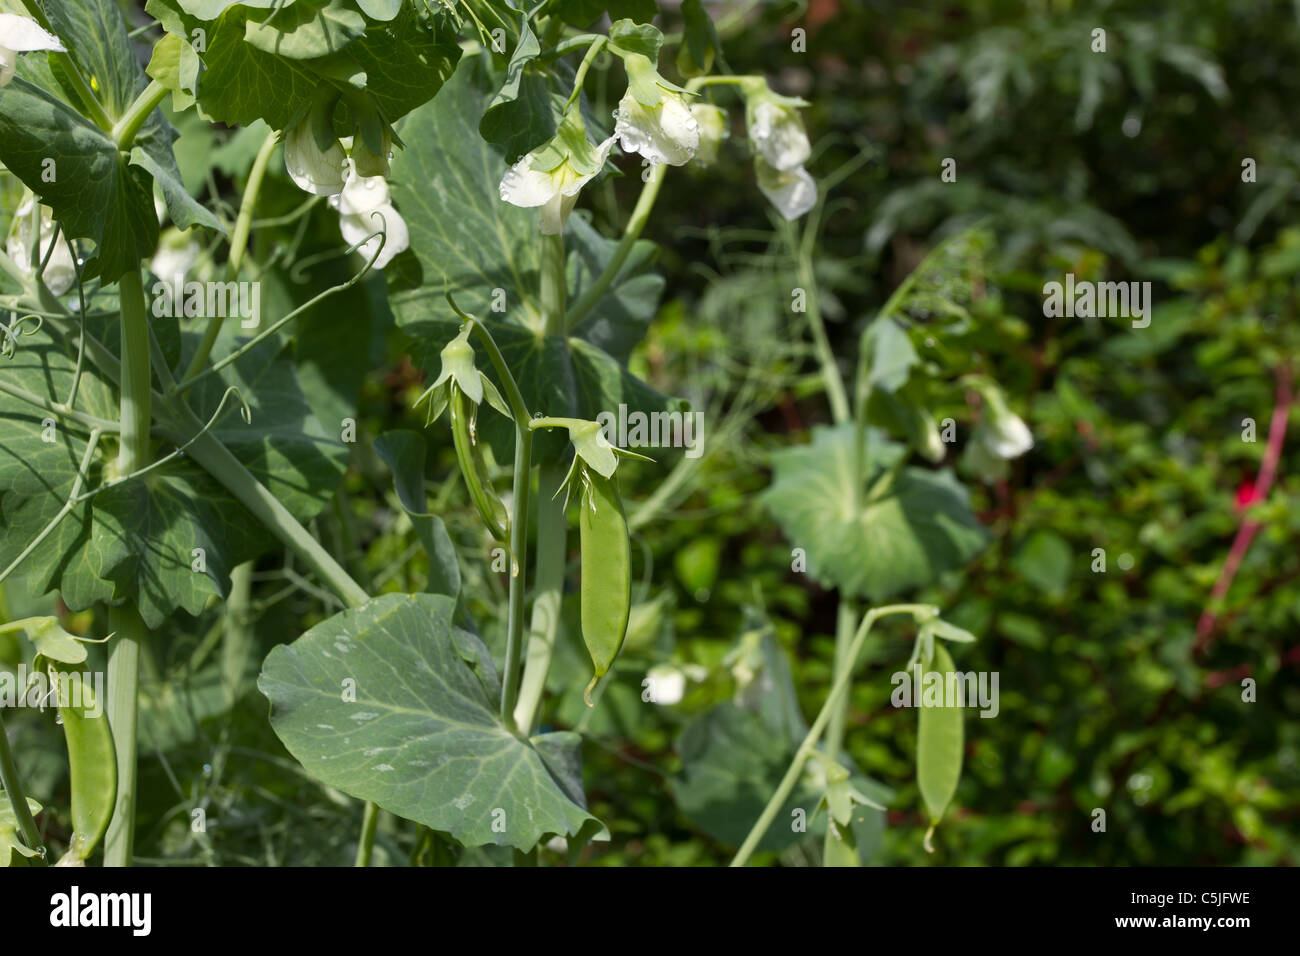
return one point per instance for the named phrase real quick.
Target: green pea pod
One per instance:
(91, 759)
(606, 572)
(472, 468)
(938, 748)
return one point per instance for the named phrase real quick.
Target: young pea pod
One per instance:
(91, 758)
(938, 748)
(474, 470)
(606, 572)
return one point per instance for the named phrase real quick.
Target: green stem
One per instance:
(265, 334)
(845, 623)
(844, 626)
(552, 533)
(88, 99)
(17, 796)
(237, 640)
(835, 391)
(553, 287)
(640, 215)
(369, 823)
(809, 744)
(54, 408)
(125, 129)
(124, 652)
(238, 244)
(597, 45)
(213, 457)
(122, 711)
(518, 569)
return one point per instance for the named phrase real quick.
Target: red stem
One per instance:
(1246, 533)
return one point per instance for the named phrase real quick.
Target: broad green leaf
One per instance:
(95, 193)
(486, 252)
(306, 30)
(380, 9)
(422, 737)
(403, 452)
(74, 166)
(519, 116)
(96, 38)
(731, 763)
(254, 72)
(938, 744)
(874, 539)
(138, 538)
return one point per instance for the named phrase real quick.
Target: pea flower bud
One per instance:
(712, 121)
(775, 127)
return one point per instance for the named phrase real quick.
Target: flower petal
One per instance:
(527, 187)
(666, 133)
(793, 192)
(778, 134)
(23, 34)
(362, 194)
(357, 227)
(313, 170)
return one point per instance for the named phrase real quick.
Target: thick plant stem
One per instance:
(520, 492)
(17, 796)
(518, 569)
(545, 625)
(640, 215)
(237, 640)
(137, 114)
(218, 461)
(238, 244)
(366, 845)
(553, 291)
(123, 694)
(844, 626)
(124, 652)
(809, 744)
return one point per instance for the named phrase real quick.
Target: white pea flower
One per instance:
(361, 203)
(777, 129)
(314, 170)
(176, 254)
(653, 117)
(1000, 436)
(21, 35)
(666, 684)
(60, 270)
(552, 175)
(712, 121)
(1008, 436)
(793, 192)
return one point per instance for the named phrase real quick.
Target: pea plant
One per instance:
(159, 434)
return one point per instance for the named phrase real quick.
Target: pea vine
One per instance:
(455, 143)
